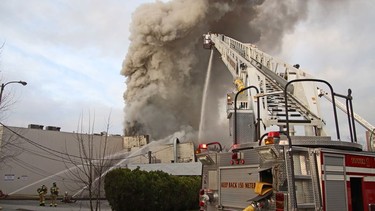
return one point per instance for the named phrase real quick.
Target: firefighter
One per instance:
(54, 193)
(67, 198)
(42, 191)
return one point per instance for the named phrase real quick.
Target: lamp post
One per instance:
(10, 82)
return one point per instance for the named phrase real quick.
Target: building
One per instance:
(34, 156)
(144, 152)
(171, 157)
(39, 155)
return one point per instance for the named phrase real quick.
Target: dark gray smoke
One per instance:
(165, 65)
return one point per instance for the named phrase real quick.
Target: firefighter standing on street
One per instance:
(42, 191)
(54, 193)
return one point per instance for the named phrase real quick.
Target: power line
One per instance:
(53, 152)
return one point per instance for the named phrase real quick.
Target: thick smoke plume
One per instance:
(165, 66)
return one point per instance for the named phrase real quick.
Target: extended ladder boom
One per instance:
(251, 66)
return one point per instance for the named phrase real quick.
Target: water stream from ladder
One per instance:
(73, 168)
(124, 162)
(204, 98)
(123, 157)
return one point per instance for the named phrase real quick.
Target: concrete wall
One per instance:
(39, 157)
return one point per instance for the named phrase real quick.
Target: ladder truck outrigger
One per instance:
(281, 157)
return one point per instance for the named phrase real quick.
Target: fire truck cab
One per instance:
(330, 177)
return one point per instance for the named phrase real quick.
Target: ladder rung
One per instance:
(295, 115)
(295, 121)
(291, 115)
(289, 110)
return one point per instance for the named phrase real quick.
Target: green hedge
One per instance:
(156, 190)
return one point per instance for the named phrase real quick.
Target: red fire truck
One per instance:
(281, 157)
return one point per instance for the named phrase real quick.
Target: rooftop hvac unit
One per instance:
(53, 128)
(35, 126)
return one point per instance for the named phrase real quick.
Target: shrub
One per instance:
(156, 190)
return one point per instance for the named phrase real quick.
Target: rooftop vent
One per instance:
(35, 126)
(53, 128)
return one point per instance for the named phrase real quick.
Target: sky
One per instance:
(71, 52)
(337, 45)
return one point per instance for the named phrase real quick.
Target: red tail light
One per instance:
(273, 137)
(274, 134)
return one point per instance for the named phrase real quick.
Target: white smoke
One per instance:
(165, 66)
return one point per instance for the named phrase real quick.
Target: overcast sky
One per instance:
(70, 53)
(338, 45)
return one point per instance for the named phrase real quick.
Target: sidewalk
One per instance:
(33, 205)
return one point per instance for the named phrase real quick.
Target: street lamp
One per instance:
(10, 82)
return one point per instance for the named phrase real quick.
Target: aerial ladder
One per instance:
(250, 66)
(281, 157)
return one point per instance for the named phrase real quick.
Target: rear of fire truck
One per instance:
(281, 157)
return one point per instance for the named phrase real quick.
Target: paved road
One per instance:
(33, 205)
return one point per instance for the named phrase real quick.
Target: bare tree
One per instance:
(5, 100)
(90, 163)
(10, 146)
(9, 142)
